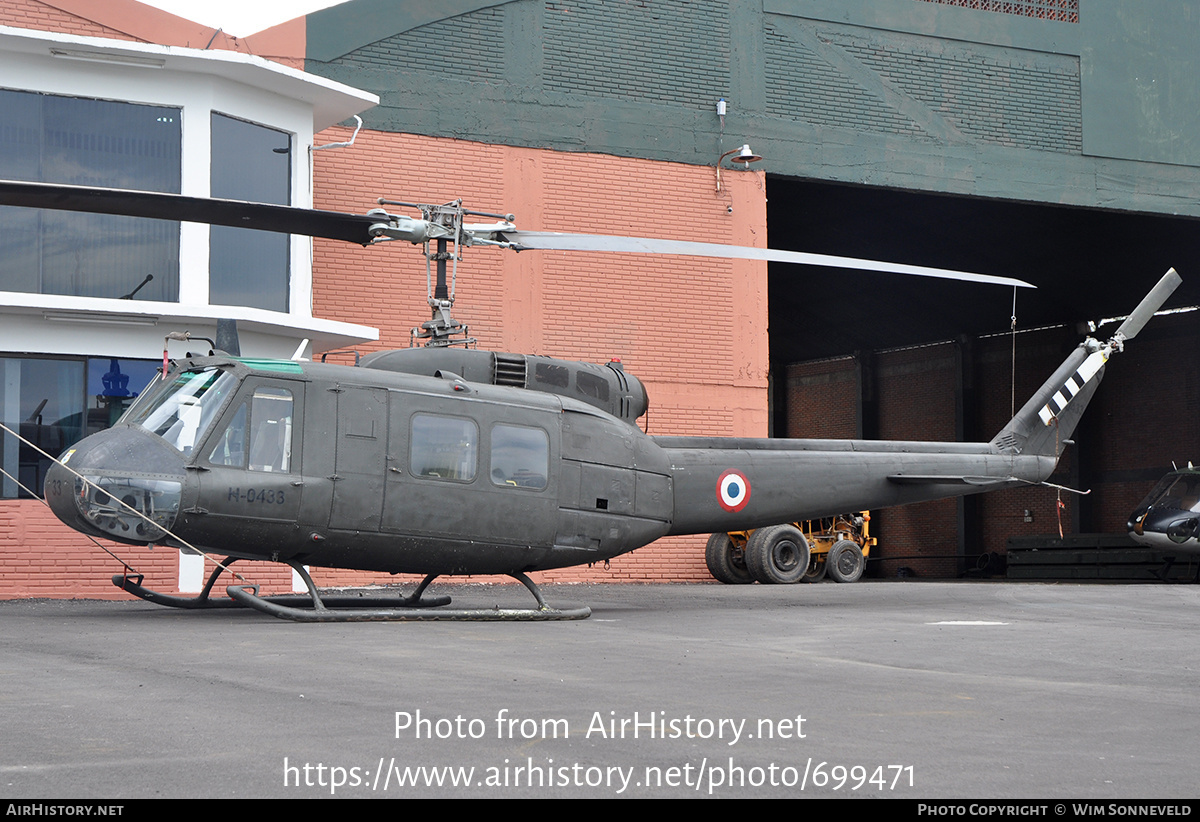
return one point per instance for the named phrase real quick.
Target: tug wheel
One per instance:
(726, 562)
(817, 567)
(845, 561)
(777, 554)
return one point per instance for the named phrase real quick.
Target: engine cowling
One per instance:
(607, 387)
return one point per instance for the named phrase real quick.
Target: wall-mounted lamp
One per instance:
(744, 157)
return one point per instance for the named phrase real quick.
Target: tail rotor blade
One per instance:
(1149, 304)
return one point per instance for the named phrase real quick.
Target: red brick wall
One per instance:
(41, 557)
(822, 396)
(916, 395)
(685, 326)
(34, 14)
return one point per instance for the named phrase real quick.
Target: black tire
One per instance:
(777, 554)
(845, 562)
(726, 562)
(816, 568)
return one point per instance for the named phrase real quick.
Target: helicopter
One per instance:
(1169, 517)
(449, 460)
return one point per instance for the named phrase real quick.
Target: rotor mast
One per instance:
(441, 233)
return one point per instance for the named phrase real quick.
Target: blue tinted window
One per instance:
(249, 162)
(55, 139)
(113, 384)
(54, 403)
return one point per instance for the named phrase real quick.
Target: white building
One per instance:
(86, 300)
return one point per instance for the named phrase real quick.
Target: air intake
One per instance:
(510, 370)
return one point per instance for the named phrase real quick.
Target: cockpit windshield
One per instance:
(182, 410)
(1178, 491)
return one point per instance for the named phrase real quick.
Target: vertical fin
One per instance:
(1073, 385)
(1054, 410)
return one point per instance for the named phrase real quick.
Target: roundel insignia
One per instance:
(733, 490)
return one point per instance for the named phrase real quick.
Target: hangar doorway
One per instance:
(891, 357)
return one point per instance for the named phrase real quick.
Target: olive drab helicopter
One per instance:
(446, 459)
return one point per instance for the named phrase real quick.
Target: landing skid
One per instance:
(411, 608)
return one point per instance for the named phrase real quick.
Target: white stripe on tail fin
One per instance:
(1073, 385)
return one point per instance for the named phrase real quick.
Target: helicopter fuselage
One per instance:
(358, 468)
(348, 467)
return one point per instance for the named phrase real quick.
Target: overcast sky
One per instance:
(241, 17)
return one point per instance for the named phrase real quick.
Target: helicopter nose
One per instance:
(1136, 522)
(123, 484)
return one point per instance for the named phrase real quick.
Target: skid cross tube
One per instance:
(407, 609)
(414, 607)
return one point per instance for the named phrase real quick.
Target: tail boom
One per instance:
(731, 484)
(788, 480)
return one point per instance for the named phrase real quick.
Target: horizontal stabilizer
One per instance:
(947, 479)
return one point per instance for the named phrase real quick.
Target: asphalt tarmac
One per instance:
(916, 690)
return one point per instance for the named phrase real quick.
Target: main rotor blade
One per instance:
(644, 245)
(334, 225)
(1149, 304)
(354, 228)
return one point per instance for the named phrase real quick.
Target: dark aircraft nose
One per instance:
(123, 484)
(1136, 521)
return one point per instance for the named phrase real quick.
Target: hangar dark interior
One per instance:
(1087, 264)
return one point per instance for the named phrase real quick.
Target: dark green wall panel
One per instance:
(914, 94)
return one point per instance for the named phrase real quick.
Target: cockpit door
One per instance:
(360, 458)
(249, 470)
